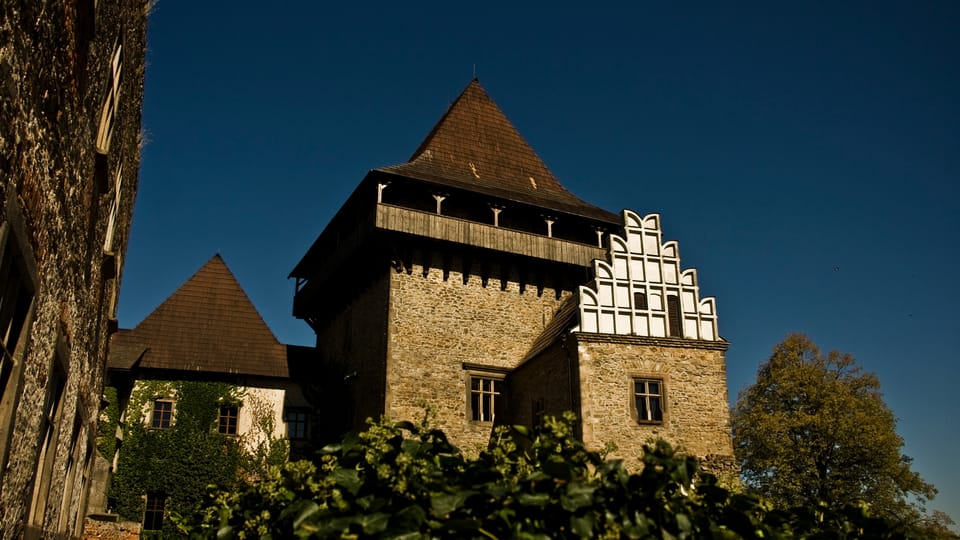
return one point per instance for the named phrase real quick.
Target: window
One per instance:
(112, 101)
(296, 425)
(640, 300)
(49, 434)
(674, 316)
(18, 286)
(153, 515)
(162, 414)
(648, 400)
(484, 395)
(227, 423)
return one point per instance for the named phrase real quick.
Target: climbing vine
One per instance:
(181, 461)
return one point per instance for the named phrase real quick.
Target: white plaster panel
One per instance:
(652, 271)
(620, 268)
(651, 243)
(623, 296)
(670, 273)
(606, 293)
(636, 269)
(688, 302)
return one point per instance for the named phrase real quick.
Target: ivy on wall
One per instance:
(182, 460)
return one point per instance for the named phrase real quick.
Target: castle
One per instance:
(469, 280)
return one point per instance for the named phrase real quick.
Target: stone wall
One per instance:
(353, 347)
(543, 385)
(56, 74)
(439, 321)
(697, 416)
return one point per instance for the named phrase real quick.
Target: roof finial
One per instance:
(474, 72)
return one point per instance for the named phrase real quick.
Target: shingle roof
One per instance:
(563, 319)
(207, 325)
(474, 146)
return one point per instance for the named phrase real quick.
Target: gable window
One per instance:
(674, 316)
(153, 515)
(227, 422)
(296, 425)
(162, 414)
(640, 300)
(648, 400)
(484, 396)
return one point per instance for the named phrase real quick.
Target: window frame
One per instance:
(479, 371)
(659, 379)
(304, 424)
(224, 420)
(154, 511)
(15, 249)
(153, 413)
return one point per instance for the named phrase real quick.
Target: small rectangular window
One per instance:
(640, 300)
(296, 425)
(674, 317)
(153, 515)
(162, 414)
(484, 395)
(648, 400)
(227, 423)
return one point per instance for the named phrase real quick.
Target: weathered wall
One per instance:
(437, 325)
(697, 416)
(543, 385)
(55, 73)
(354, 346)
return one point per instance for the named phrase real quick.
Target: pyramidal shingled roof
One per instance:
(207, 325)
(474, 146)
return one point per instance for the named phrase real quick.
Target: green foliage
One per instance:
(107, 427)
(184, 460)
(814, 428)
(407, 481)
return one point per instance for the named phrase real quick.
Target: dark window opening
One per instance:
(153, 515)
(640, 300)
(162, 414)
(484, 396)
(648, 400)
(227, 423)
(296, 425)
(674, 316)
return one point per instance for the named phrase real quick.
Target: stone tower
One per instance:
(470, 279)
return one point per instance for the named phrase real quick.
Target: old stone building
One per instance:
(469, 280)
(208, 343)
(71, 86)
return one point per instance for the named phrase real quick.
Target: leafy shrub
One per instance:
(407, 481)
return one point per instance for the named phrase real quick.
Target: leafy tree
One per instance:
(814, 428)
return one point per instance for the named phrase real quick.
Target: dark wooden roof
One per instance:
(208, 325)
(475, 147)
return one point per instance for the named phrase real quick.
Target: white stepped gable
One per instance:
(641, 290)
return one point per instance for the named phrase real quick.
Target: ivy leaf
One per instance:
(578, 495)
(534, 499)
(582, 526)
(348, 479)
(309, 510)
(442, 504)
(373, 523)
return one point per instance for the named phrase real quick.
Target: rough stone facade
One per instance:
(71, 83)
(696, 415)
(442, 330)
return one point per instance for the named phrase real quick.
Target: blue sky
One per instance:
(806, 157)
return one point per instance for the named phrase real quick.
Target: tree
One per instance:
(814, 429)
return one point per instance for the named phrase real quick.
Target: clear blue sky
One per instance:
(806, 157)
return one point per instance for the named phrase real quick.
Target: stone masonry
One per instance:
(71, 85)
